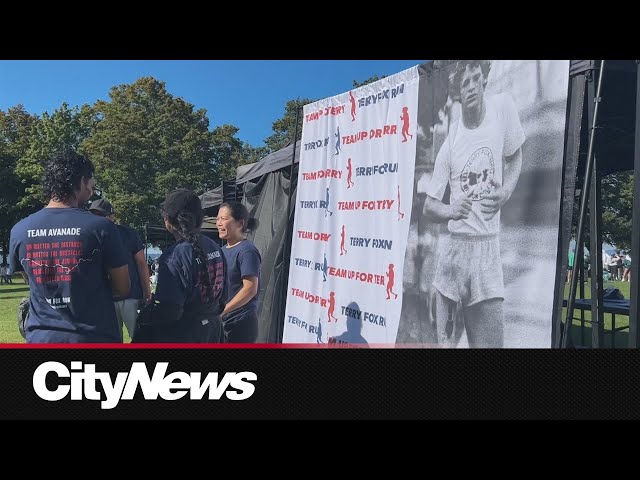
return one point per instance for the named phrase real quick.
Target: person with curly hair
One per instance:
(74, 261)
(192, 278)
(480, 161)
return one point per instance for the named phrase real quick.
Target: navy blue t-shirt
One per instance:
(66, 253)
(132, 245)
(181, 282)
(243, 260)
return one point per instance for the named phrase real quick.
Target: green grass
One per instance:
(10, 296)
(581, 336)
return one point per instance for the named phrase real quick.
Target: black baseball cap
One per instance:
(102, 206)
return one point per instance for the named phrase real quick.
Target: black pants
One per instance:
(241, 328)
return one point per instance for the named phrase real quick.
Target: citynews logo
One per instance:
(82, 385)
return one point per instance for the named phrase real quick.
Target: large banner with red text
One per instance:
(353, 207)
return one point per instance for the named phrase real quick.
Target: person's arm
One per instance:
(458, 209)
(143, 273)
(120, 283)
(492, 203)
(245, 294)
(114, 258)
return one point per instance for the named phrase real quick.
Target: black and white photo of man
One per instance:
(480, 261)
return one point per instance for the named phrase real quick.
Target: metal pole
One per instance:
(595, 232)
(634, 338)
(286, 258)
(583, 210)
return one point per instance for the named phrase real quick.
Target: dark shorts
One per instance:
(241, 327)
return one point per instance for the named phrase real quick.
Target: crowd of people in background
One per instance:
(619, 267)
(616, 267)
(4, 274)
(88, 276)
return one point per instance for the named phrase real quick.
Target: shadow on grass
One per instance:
(13, 290)
(582, 338)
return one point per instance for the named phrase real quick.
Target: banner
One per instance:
(480, 264)
(355, 188)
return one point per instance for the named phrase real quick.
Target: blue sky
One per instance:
(249, 94)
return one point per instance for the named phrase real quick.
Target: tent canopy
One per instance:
(212, 197)
(156, 234)
(615, 143)
(272, 162)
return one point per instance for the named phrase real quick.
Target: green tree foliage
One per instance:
(284, 128)
(375, 78)
(66, 127)
(617, 204)
(149, 143)
(229, 152)
(16, 127)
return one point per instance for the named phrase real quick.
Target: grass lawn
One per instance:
(10, 296)
(582, 336)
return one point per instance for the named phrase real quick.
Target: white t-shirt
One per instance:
(469, 159)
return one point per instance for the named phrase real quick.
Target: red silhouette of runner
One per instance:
(405, 124)
(400, 214)
(353, 106)
(332, 307)
(391, 276)
(342, 249)
(349, 182)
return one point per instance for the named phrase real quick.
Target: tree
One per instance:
(372, 79)
(617, 206)
(284, 127)
(66, 127)
(229, 152)
(149, 143)
(16, 128)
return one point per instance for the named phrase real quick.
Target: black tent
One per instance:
(160, 236)
(265, 187)
(601, 132)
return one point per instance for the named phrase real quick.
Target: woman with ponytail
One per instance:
(240, 316)
(192, 283)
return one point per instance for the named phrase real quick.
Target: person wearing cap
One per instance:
(192, 278)
(127, 306)
(74, 261)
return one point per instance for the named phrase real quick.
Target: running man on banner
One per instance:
(349, 174)
(319, 332)
(405, 124)
(400, 214)
(325, 268)
(337, 135)
(332, 307)
(352, 99)
(326, 205)
(353, 107)
(343, 250)
(391, 275)
(480, 160)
